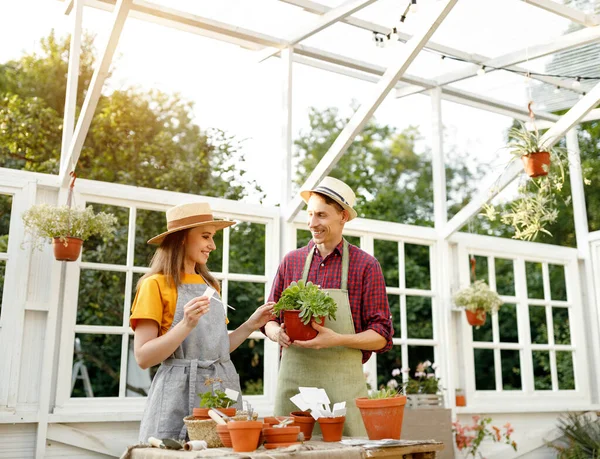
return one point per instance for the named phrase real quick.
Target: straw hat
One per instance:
(336, 190)
(185, 216)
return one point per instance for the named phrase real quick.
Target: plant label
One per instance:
(232, 394)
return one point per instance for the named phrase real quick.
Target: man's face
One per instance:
(325, 221)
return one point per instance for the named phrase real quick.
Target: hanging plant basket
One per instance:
(67, 249)
(536, 164)
(477, 318)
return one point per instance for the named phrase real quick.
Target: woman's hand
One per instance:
(195, 309)
(261, 316)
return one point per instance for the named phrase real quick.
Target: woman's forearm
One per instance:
(159, 349)
(239, 335)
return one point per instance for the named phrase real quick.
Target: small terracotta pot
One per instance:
(223, 431)
(332, 428)
(461, 400)
(476, 318)
(272, 420)
(70, 252)
(202, 413)
(305, 421)
(286, 434)
(296, 330)
(536, 164)
(382, 417)
(244, 435)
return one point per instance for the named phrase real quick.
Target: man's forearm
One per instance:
(369, 340)
(271, 330)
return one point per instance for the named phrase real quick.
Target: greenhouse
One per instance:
(426, 109)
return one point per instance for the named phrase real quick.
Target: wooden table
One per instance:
(409, 449)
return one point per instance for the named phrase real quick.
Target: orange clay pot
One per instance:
(382, 417)
(296, 330)
(536, 164)
(70, 252)
(476, 318)
(223, 431)
(245, 435)
(202, 413)
(332, 428)
(305, 421)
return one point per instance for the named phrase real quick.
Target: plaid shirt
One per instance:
(366, 286)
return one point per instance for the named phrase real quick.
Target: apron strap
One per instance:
(345, 265)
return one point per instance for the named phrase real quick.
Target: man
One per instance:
(333, 360)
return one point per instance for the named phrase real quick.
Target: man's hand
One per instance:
(326, 338)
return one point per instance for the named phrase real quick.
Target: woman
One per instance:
(178, 327)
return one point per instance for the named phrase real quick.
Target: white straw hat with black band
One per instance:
(336, 190)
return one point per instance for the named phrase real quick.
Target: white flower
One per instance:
(395, 372)
(405, 370)
(587, 181)
(392, 384)
(426, 364)
(434, 366)
(431, 375)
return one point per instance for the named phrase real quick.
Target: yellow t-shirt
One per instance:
(156, 299)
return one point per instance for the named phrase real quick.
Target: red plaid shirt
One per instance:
(366, 286)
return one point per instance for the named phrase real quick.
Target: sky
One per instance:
(234, 92)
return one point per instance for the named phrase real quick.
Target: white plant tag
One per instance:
(299, 402)
(314, 395)
(209, 292)
(232, 394)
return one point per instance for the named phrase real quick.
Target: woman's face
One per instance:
(198, 244)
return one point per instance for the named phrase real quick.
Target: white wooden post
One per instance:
(94, 91)
(387, 82)
(585, 260)
(72, 82)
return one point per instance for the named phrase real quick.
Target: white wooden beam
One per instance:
(440, 207)
(95, 90)
(566, 12)
(331, 17)
(593, 115)
(573, 40)
(72, 81)
(364, 113)
(578, 195)
(318, 8)
(550, 137)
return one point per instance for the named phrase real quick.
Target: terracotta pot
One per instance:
(382, 417)
(305, 421)
(244, 435)
(272, 420)
(223, 431)
(70, 252)
(332, 428)
(202, 413)
(476, 318)
(461, 400)
(286, 434)
(296, 330)
(536, 164)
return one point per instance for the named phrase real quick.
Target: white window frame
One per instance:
(130, 408)
(528, 397)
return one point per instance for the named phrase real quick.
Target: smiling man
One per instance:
(333, 360)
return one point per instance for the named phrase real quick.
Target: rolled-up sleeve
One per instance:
(375, 307)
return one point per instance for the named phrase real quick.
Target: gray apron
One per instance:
(338, 370)
(203, 354)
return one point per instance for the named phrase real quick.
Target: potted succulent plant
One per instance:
(477, 299)
(383, 410)
(67, 227)
(301, 303)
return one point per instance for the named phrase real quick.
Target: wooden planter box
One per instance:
(420, 401)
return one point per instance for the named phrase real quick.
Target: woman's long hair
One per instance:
(168, 261)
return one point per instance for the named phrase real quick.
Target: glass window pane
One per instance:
(511, 370)
(535, 283)
(247, 248)
(148, 223)
(418, 354)
(138, 380)
(5, 213)
(394, 302)
(558, 286)
(507, 323)
(386, 253)
(485, 378)
(481, 268)
(386, 363)
(505, 277)
(249, 361)
(416, 259)
(419, 319)
(101, 297)
(113, 250)
(541, 370)
(245, 297)
(303, 237)
(538, 325)
(96, 364)
(2, 274)
(484, 332)
(564, 370)
(562, 332)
